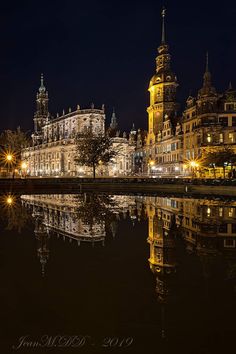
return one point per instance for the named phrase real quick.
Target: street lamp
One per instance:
(9, 158)
(151, 163)
(23, 168)
(194, 165)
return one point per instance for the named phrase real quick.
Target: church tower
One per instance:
(162, 90)
(41, 114)
(113, 124)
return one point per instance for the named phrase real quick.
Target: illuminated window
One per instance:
(231, 137)
(231, 210)
(209, 138)
(221, 138)
(208, 211)
(229, 243)
(220, 212)
(229, 107)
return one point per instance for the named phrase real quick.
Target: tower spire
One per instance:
(42, 87)
(207, 88)
(207, 62)
(113, 124)
(163, 14)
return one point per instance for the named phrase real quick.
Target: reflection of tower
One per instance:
(162, 261)
(42, 238)
(113, 228)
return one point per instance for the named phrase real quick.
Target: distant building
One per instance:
(53, 141)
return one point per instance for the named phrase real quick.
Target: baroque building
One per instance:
(176, 142)
(53, 141)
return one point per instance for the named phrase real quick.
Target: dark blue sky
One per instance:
(104, 52)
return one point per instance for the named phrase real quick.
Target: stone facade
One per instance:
(53, 141)
(177, 142)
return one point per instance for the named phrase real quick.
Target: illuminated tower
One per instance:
(41, 115)
(162, 90)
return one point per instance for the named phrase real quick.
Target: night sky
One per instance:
(104, 52)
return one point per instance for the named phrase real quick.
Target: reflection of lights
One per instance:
(9, 200)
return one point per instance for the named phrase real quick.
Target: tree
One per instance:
(96, 208)
(219, 158)
(93, 150)
(12, 142)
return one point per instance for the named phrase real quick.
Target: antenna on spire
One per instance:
(163, 14)
(207, 62)
(42, 79)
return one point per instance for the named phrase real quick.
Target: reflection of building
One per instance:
(73, 217)
(53, 142)
(42, 238)
(162, 239)
(207, 228)
(59, 215)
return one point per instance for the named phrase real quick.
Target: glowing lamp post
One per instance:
(9, 159)
(23, 168)
(151, 165)
(194, 166)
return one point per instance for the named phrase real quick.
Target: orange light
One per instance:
(9, 200)
(9, 157)
(23, 165)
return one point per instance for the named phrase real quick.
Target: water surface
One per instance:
(117, 274)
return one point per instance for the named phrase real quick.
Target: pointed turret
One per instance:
(113, 124)
(163, 13)
(207, 88)
(42, 88)
(41, 115)
(162, 88)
